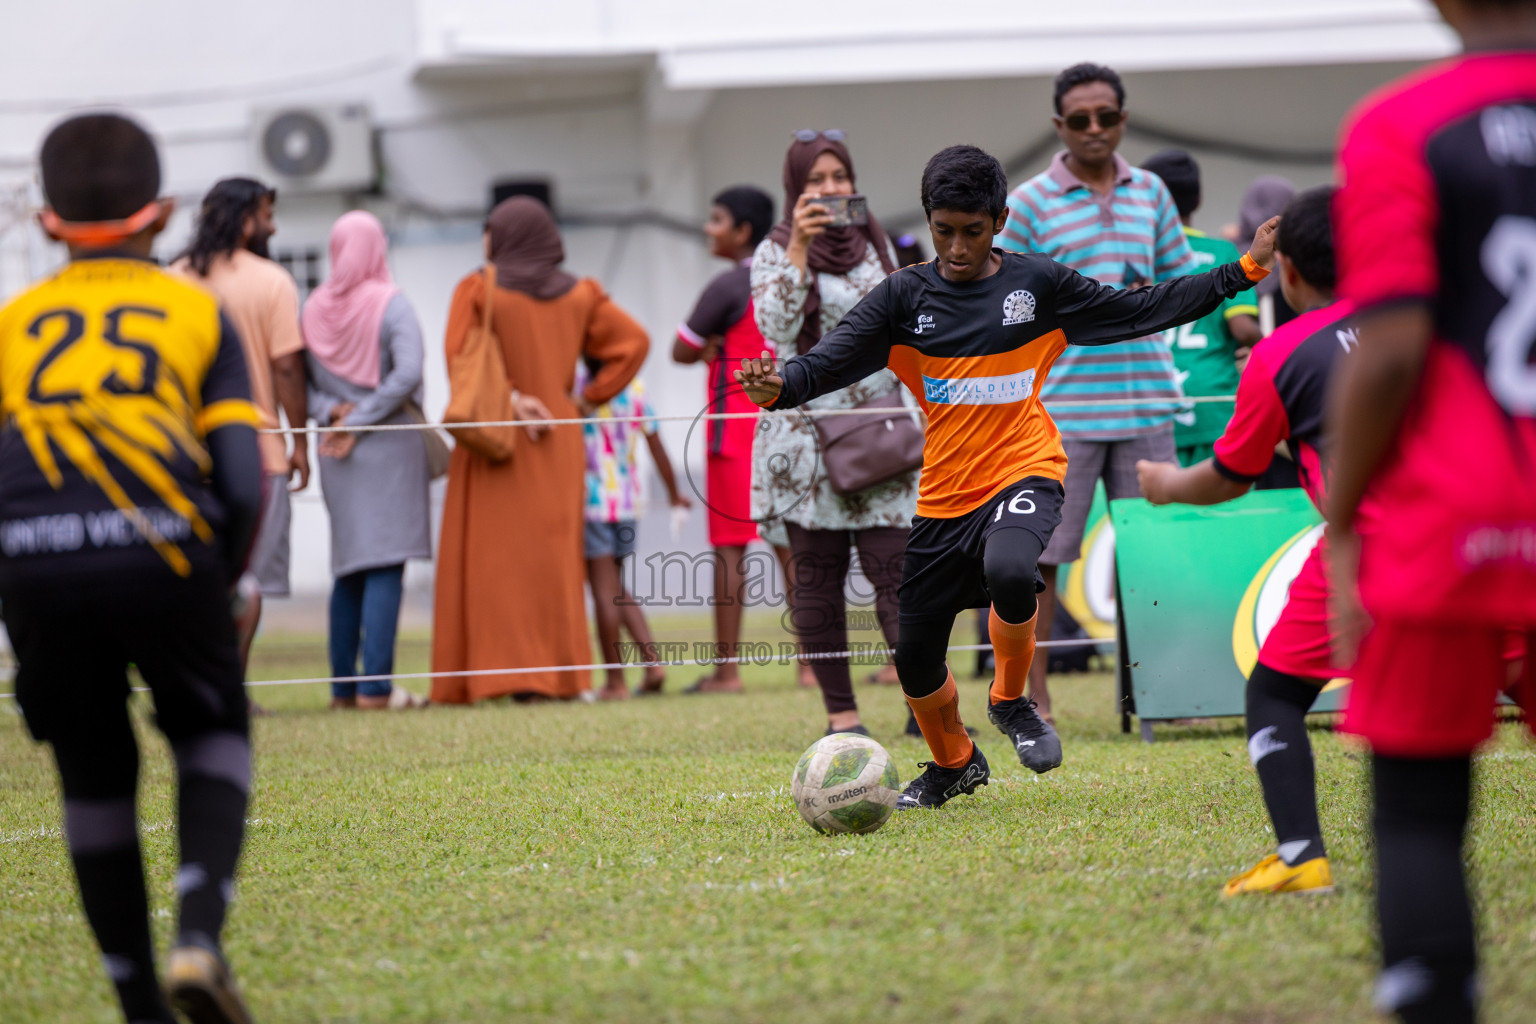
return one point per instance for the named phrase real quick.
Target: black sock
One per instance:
(99, 767)
(116, 905)
(1428, 943)
(1282, 755)
(214, 777)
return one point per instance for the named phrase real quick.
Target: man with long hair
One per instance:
(228, 255)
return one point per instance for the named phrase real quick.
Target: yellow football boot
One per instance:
(201, 987)
(1273, 875)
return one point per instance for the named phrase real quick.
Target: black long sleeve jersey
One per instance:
(975, 355)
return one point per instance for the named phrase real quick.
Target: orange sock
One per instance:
(938, 715)
(1013, 649)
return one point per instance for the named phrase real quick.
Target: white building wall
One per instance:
(607, 129)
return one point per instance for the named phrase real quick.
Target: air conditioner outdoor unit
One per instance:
(314, 148)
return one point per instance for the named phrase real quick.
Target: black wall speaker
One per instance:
(539, 188)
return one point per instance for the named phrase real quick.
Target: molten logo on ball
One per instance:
(845, 783)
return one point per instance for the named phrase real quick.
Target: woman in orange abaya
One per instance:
(510, 573)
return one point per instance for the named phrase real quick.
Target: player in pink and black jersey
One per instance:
(1435, 418)
(1280, 400)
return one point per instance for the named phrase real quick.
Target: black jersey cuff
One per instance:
(1232, 474)
(792, 391)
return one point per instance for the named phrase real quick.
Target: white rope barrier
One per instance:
(696, 663)
(379, 428)
(601, 420)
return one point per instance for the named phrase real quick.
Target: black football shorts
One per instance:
(75, 639)
(942, 574)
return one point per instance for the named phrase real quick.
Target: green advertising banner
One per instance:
(1200, 588)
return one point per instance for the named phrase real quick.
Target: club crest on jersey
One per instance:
(1018, 308)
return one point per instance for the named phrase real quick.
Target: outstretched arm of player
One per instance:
(858, 346)
(1163, 483)
(1242, 453)
(1095, 314)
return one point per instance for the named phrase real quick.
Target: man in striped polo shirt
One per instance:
(1116, 223)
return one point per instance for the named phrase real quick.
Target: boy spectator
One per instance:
(721, 332)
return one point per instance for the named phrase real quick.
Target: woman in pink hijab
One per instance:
(365, 365)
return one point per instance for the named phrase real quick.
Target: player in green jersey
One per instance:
(1207, 354)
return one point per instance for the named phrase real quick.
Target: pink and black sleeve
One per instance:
(1244, 450)
(1386, 215)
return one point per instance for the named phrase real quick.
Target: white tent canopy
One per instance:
(704, 44)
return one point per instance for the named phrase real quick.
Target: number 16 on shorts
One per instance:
(1018, 505)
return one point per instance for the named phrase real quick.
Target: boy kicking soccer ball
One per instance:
(973, 335)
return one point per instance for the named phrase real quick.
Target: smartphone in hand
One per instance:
(847, 211)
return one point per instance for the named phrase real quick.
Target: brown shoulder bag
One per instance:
(478, 389)
(860, 451)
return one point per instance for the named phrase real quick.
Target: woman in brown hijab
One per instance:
(509, 566)
(806, 275)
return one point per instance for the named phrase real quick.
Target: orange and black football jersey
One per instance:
(112, 373)
(975, 355)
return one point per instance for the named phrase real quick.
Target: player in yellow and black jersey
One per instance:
(130, 486)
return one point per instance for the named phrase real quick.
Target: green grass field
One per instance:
(642, 862)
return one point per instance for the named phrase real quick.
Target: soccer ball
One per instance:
(845, 783)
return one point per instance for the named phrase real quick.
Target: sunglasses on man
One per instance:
(1079, 121)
